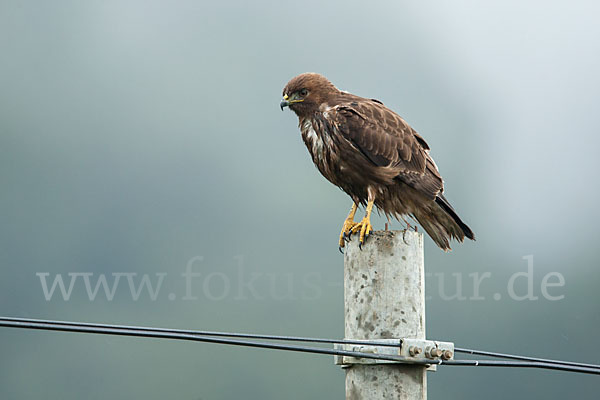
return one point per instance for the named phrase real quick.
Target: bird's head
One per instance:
(305, 93)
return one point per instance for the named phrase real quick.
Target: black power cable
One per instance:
(142, 332)
(208, 333)
(520, 364)
(204, 337)
(294, 339)
(523, 358)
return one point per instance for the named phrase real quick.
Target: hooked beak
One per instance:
(284, 103)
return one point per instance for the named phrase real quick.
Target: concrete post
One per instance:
(384, 297)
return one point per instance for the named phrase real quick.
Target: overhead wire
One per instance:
(218, 338)
(165, 334)
(211, 333)
(522, 358)
(295, 339)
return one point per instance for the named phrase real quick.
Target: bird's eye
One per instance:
(303, 92)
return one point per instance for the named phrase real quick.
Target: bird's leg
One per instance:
(364, 226)
(347, 227)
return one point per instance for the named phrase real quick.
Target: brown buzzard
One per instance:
(373, 155)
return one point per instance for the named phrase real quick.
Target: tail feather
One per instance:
(442, 223)
(442, 202)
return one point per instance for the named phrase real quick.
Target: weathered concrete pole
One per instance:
(384, 297)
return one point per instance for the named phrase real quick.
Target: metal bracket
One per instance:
(412, 349)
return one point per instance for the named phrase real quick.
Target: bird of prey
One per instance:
(373, 155)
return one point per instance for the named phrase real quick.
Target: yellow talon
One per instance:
(349, 224)
(364, 227)
(365, 224)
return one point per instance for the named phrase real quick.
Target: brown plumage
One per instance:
(374, 156)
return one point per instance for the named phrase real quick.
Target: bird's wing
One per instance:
(387, 140)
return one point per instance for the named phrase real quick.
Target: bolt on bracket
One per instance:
(411, 349)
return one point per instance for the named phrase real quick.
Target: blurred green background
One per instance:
(143, 136)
